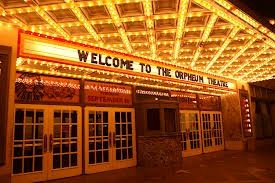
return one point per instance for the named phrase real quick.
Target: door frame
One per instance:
(32, 176)
(48, 173)
(214, 147)
(113, 163)
(70, 171)
(192, 152)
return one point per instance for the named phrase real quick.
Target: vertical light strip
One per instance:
(249, 43)
(224, 45)
(114, 14)
(272, 35)
(48, 19)
(150, 26)
(257, 76)
(213, 18)
(210, 5)
(209, 26)
(180, 26)
(2, 11)
(258, 66)
(224, 3)
(262, 78)
(237, 18)
(84, 21)
(250, 60)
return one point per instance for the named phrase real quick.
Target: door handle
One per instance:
(45, 143)
(110, 139)
(114, 139)
(187, 134)
(51, 142)
(213, 131)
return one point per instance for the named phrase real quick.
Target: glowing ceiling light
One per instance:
(180, 26)
(150, 26)
(114, 14)
(213, 18)
(224, 45)
(250, 60)
(247, 45)
(258, 66)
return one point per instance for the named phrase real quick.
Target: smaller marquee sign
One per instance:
(106, 93)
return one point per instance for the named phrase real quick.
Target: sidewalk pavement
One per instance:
(217, 167)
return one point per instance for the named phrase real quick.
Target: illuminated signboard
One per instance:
(31, 88)
(106, 93)
(53, 50)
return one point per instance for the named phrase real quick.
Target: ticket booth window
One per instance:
(160, 121)
(170, 120)
(153, 119)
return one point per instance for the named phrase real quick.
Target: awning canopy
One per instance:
(211, 36)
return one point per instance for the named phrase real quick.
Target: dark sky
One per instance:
(265, 8)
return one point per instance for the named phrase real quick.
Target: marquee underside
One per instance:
(214, 37)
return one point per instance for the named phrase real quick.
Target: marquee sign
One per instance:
(54, 50)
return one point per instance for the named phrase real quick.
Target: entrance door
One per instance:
(109, 139)
(65, 142)
(212, 131)
(44, 147)
(191, 133)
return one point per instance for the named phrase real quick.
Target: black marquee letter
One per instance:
(83, 55)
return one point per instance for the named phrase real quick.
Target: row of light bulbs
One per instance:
(204, 4)
(23, 67)
(239, 53)
(190, 57)
(183, 9)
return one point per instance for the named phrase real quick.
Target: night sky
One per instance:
(265, 8)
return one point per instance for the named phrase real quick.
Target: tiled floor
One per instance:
(218, 167)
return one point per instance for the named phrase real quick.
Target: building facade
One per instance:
(80, 94)
(61, 124)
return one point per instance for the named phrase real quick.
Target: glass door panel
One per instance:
(46, 143)
(207, 131)
(98, 137)
(109, 138)
(191, 133)
(123, 135)
(218, 131)
(124, 148)
(184, 130)
(194, 134)
(98, 140)
(65, 142)
(29, 145)
(212, 131)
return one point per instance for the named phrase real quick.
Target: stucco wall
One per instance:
(232, 122)
(8, 37)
